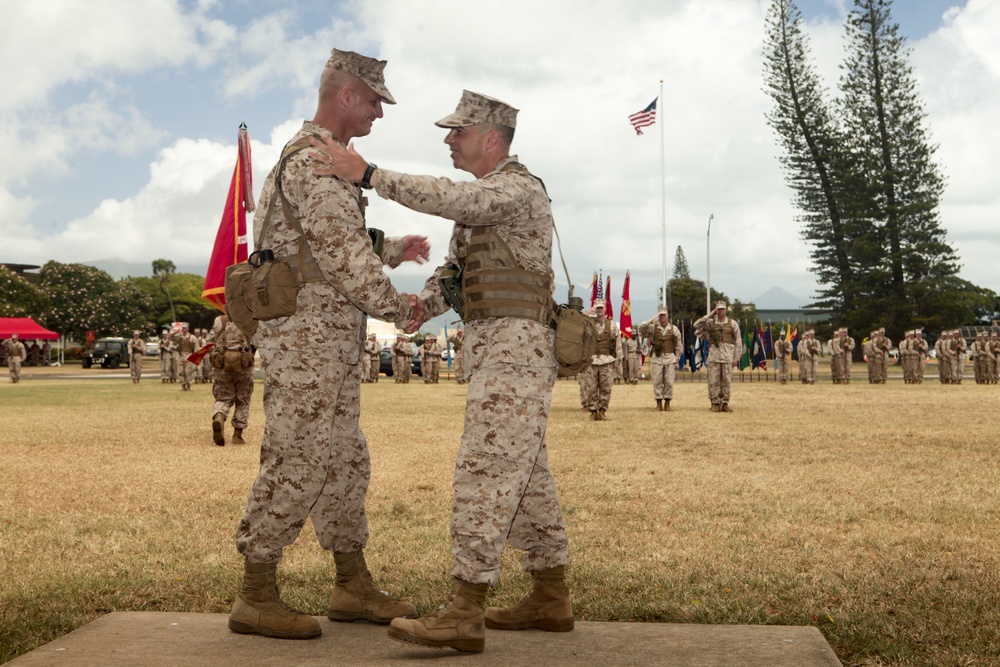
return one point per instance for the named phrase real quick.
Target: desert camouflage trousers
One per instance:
(373, 369)
(135, 366)
(808, 366)
(167, 366)
(364, 368)
(432, 370)
(720, 381)
(456, 366)
(595, 386)
(664, 371)
(185, 371)
(504, 490)
(14, 364)
(231, 389)
(313, 460)
(784, 366)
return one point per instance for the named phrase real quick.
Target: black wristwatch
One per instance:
(365, 180)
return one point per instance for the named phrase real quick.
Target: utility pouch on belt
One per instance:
(450, 280)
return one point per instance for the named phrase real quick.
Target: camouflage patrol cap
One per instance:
(598, 303)
(993, 334)
(662, 310)
(474, 109)
(721, 304)
(136, 333)
(367, 69)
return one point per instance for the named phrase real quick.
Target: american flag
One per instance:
(644, 118)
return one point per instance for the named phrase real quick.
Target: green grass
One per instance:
(870, 512)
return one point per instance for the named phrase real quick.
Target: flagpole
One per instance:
(663, 200)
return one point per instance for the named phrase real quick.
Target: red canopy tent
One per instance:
(25, 328)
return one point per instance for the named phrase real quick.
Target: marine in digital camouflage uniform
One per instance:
(941, 354)
(836, 358)
(882, 346)
(16, 354)
(920, 350)
(402, 359)
(994, 357)
(136, 352)
(958, 360)
(371, 357)
(907, 357)
(187, 345)
(598, 379)
(167, 348)
(504, 490)
(233, 384)
(458, 370)
(667, 346)
(808, 351)
(725, 345)
(314, 461)
(633, 358)
(430, 360)
(848, 345)
(783, 357)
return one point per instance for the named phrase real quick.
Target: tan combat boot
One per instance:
(259, 610)
(238, 436)
(666, 405)
(547, 607)
(726, 408)
(218, 421)
(459, 623)
(716, 407)
(659, 404)
(355, 596)
(602, 415)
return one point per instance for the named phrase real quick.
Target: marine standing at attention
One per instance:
(501, 243)
(314, 461)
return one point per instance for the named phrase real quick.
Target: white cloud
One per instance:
(576, 70)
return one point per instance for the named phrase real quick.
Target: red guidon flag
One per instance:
(231, 240)
(608, 312)
(625, 318)
(196, 357)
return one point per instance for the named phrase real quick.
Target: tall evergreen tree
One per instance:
(900, 184)
(813, 162)
(681, 264)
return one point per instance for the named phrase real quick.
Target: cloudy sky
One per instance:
(118, 122)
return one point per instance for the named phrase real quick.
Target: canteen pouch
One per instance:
(576, 340)
(274, 290)
(239, 307)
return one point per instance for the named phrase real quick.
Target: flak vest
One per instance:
(604, 340)
(495, 285)
(721, 333)
(663, 341)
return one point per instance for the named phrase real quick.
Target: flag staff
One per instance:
(708, 265)
(663, 208)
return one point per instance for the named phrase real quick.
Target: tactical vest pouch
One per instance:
(576, 341)
(450, 281)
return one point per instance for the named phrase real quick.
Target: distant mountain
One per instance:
(778, 299)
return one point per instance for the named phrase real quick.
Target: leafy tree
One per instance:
(82, 298)
(680, 264)
(164, 268)
(18, 297)
(186, 304)
(686, 300)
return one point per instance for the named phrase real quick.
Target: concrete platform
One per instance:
(155, 639)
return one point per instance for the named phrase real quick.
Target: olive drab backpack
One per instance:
(576, 335)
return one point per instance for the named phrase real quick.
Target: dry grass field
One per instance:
(870, 512)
